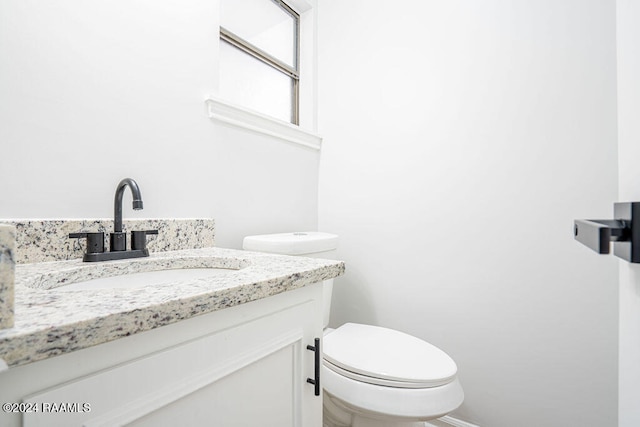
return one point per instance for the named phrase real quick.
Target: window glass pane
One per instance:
(251, 83)
(262, 23)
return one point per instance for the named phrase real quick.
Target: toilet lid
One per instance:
(386, 357)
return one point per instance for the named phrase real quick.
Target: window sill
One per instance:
(239, 117)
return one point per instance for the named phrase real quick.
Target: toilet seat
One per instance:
(372, 380)
(381, 356)
(417, 404)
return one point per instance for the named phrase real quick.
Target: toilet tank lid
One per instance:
(298, 243)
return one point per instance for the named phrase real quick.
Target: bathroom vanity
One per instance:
(230, 349)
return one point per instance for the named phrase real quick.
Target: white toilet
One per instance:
(371, 376)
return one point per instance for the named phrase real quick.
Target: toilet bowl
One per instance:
(378, 376)
(371, 376)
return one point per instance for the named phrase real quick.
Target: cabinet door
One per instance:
(251, 374)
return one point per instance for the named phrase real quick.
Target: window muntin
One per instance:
(265, 24)
(267, 31)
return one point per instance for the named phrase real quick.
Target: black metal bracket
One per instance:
(624, 231)
(316, 380)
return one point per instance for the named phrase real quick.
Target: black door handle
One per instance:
(598, 233)
(624, 231)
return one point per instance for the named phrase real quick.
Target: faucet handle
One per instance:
(139, 239)
(95, 241)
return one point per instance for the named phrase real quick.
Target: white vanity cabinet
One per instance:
(242, 366)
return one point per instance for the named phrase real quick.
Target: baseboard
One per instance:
(448, 421)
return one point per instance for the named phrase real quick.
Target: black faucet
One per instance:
(118, 238)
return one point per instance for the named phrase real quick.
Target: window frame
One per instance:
(259, 54)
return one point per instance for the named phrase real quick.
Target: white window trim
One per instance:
(244, 118)
(240, 117)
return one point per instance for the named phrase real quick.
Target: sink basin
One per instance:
(149, 278)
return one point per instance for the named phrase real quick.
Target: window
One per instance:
(259, 57)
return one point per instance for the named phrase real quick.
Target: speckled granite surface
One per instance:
(43, 240)
(54, 321)
(7, 267)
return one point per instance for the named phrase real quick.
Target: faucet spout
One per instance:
(137, 201)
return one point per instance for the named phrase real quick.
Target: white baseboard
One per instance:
(448, 421)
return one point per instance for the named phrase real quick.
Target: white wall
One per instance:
(95, 91)
(461, 139)
(629, 153)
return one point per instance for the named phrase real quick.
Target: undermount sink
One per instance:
(149, 278)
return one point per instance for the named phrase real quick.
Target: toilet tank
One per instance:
(312, 244)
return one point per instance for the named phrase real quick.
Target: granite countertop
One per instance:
(50, 320)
